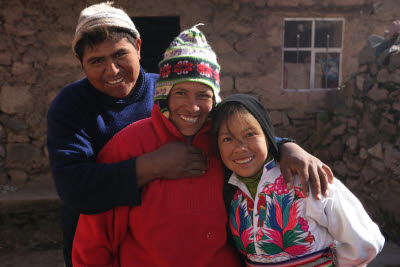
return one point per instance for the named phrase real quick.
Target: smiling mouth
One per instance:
(189, 119)
(113, 82)
(243, 160)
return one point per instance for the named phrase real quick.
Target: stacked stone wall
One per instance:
(359, 137)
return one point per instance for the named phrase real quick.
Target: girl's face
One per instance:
(189, 105)
(242, 145)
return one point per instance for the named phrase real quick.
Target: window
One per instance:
(312, 53)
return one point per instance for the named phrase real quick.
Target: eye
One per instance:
(120, 53)
(96, 61)
(251, 134)
(226, 139)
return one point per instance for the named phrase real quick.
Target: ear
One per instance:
(138, 45)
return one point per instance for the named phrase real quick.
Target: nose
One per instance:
(192, 105)
(112, 67)
(240, 145)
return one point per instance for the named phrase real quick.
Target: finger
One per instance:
(329, 173)
(303, 175)
(198, 165)
(323, 180)
(194, 173)
(288, 176)
(315, 182)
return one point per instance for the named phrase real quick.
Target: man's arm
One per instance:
(294, 159)
(91, 187)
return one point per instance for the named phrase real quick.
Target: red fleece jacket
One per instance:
(180, 222)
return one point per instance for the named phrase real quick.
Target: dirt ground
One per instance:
(389, 257)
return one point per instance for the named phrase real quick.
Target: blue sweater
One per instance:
(80, 122)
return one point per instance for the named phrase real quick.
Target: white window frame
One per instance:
(313, 51)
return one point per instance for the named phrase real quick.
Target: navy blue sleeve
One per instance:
(86, 186)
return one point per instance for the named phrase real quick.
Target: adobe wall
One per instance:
(36, 61)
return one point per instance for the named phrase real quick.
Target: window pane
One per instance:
(327, 70)
(297, 34)
(328, 33)
(296, 70)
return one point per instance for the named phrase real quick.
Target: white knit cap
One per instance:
(102, 15)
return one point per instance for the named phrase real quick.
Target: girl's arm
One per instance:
(358, 237)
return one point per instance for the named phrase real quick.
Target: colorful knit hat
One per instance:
(102, 15)
(188, 58)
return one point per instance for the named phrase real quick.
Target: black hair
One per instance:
(101, 34)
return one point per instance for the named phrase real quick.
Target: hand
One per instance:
(171, 161)
(294, 160)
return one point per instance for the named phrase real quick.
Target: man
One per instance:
(116, 93)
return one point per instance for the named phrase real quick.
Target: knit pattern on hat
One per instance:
(100, 15)
(188, 58)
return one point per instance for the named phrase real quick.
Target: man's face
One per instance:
(113, 67)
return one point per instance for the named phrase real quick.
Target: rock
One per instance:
(260, 3)
(339, 130)
(5, 58)
(376, 151)
(17, 138)
(363, 153)
(391, 157)
(362, 68)
(22, 153)
(2, 132)
(378, 165)
(367, 55)
(368, 173)
(352, 142)
(18, 178)
(395, 60)
(2, 151)
(354, 164)
(360, 82)
(373, 68)
(14, 124)
(336, 149)
(377, 94)
(396, 106)
(15, 99)
(352, 123)
(19, 68)
(385, 76)
(340, 168)
(276, 117)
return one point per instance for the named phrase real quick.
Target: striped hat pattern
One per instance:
(188, 58)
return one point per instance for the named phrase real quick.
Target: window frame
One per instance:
(313, 50)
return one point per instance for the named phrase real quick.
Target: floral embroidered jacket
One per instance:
(180, 222)
(281, 225)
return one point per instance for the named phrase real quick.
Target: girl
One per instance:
(272, 226)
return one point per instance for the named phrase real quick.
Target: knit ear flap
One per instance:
(189, 58)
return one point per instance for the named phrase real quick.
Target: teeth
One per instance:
(243, 161)
(116, 81)
(189, 119)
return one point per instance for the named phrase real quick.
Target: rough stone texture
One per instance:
(371, 147)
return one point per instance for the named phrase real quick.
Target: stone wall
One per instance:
(36, 61)
(359, 137)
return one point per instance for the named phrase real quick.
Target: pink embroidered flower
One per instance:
(299, 192)
(304, 224)
(204, 69)
(268, 189)
(280, 186)
(183, 67)
(165, 70)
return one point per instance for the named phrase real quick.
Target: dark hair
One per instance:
(101, 34)
(222, 114)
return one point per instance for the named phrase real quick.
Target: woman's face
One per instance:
(189, 105)
(242, 145)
